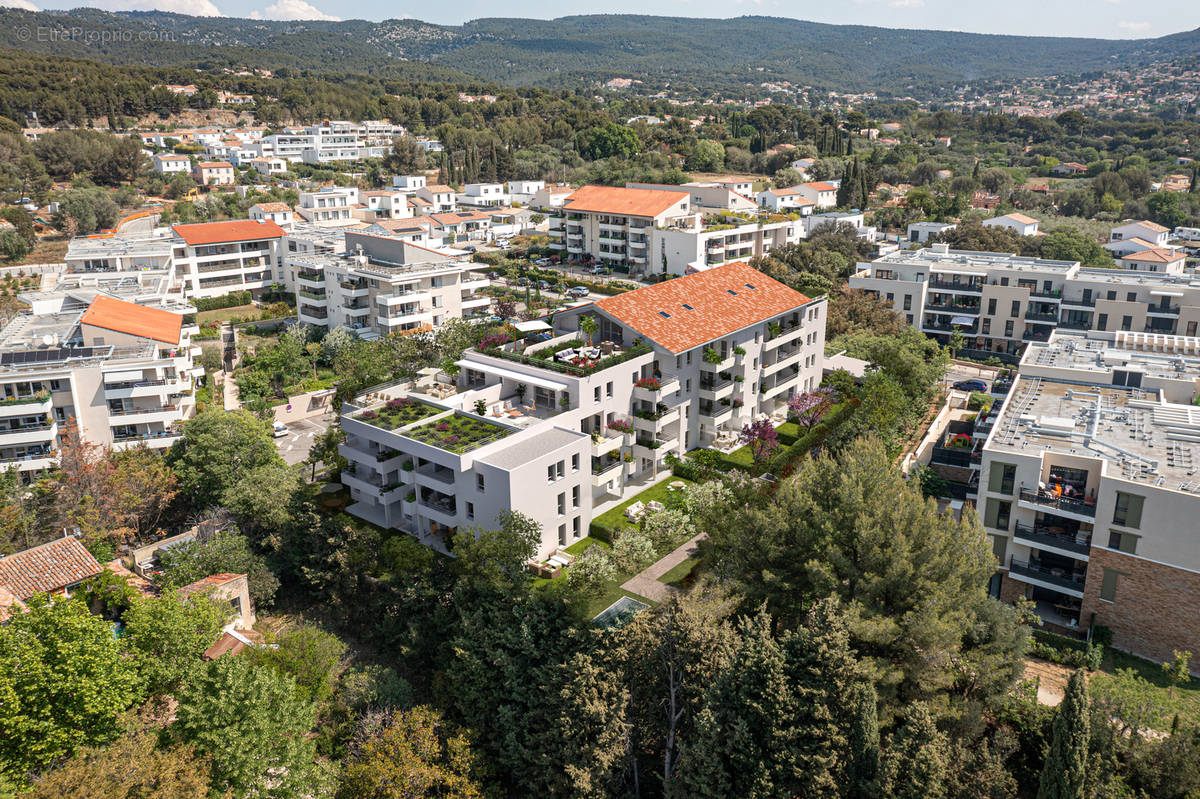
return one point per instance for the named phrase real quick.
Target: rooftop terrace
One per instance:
(949, 259)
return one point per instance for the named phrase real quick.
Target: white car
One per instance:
(279, 429)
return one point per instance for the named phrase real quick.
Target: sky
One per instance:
(1109, 19)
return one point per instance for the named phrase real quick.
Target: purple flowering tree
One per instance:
(811, 406)
(762, 439)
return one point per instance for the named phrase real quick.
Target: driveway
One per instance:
(295, 446)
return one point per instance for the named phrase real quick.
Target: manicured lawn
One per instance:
(580, 546)
(611, 594)
(612, 520)
(223, 314)
(1186, 701)
(677, 575)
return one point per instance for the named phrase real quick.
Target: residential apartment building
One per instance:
(170, 164)
(332, 207)
(1089, 490)
(279, 213)
(615, 225)
(382, 285)
(785, 200)
(821, 194)
(1001, 302)
(123, 372)
(215, 258)
(215, 173)
(484, 195)
(552, 427)
(1152, 232)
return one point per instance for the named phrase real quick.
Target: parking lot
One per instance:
(295, 446)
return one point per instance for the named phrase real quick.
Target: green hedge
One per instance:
(1066, 651)
(227, 301)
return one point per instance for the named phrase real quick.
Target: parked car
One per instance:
(279, 429)
(493, 275)
(971, 385)
(523, 281)
(578, 291)
(543, 284)
(493, 319)
(542, 262)
(469, 248)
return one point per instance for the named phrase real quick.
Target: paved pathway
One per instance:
(646, 582)
(229, 386)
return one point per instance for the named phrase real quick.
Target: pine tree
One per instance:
(916, 757)
(1065, 770)
(863, 768)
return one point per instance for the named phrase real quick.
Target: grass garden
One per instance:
(458, 434)
(397, 413)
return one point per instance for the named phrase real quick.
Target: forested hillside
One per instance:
(579, 50)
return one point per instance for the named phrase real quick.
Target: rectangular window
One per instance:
(596, 394)
(1000, 548)
(576, 528)
(1126, 322)
(470, 510)
(575, 497)
(908, 302)
(562, 504)
(1108, 588)
(1008, 328)
(575, 462)
(1102, 321)
(1128, 510)
(1123, 542)
(562, 535)
(1001, 478)
(987, 326)
(1131, 296)
(561, 468)
(996, 513)
(992, 305)
(1016, 308)
(608, 388)
(479, 482)
(550, 473)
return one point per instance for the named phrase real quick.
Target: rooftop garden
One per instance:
(544, 358)
(457, 433)
(397, 413)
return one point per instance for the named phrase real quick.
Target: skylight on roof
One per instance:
(731, 291)
(685, 305)
(664, 314)
(750, 287)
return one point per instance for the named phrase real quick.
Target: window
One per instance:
(908, 302)
(575, 462)
(562, 535)
(550, 473)
(1016, 308)
(575, 496)
(891, 298)
(479, 482)
(575, 528)
(608, 389)
(597, 393)
(992, 305)
(1111, 295)
(999, 548)
(1131, 296)
(1108, 587)
(1126, 322)
(1001, 478)
(562, 504)
(996, 513)
(1128, 510)
(470, 510)
(987, 326)
(561, 468)
(1102, 321)
(1123, 542)
(1008, 328)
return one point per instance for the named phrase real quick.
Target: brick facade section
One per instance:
(1011, 590)
(1155, 608)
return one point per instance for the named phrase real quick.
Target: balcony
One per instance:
(142, 388)
(163, 413)
(607, 472)
(1041, 316)
(1163, 310)
(153, 439)
(1038, 574)
(953, 308)
(726, 362)
(947, 285)
(716, 390)
(1031, 334)
(435, 476)
(605, 445)
(717, 415)
(1052, 294)
(34, 405)
(1080, 302)
(1045, 499)
(28, 434)
(646, 391)
(1042, 537)
(654, 421)
(320, 296)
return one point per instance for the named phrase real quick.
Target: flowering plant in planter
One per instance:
(367, 416)
(620, 426)
(649, 383)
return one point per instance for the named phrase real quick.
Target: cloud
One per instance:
(1133, 27)
(292, 9)
(195, 8)
(907, 4)
(24, 5)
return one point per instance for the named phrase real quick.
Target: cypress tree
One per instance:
(917, 757)
(863, 766)
(1065, 770)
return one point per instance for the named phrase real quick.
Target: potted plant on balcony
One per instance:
(712, 356)
(775, 329)
(480, 407)
(649, 383)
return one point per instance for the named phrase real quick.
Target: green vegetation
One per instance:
(398, 413)
(458, 433)
(613, 520)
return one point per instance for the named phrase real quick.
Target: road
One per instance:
(295, 446)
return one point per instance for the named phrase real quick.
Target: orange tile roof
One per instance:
(627, 202)
(232, 230)
(1020, 218)
(1158, 255)
(721, 302)
(136, 320)
(1146, 223)
(49, 567)
(272, 208)
(820, 185)
(214, 165)
(208, 583)
(439, 188)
